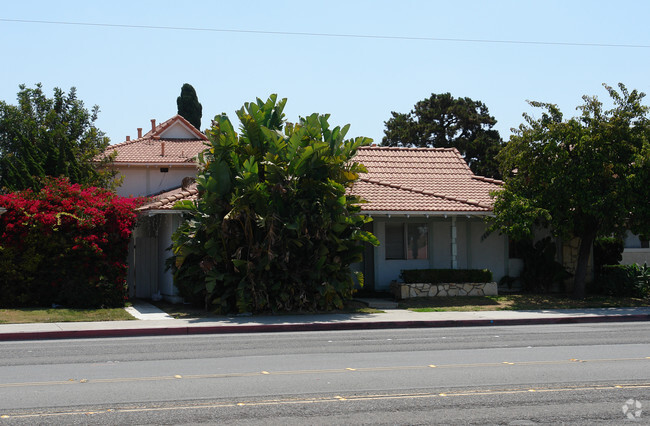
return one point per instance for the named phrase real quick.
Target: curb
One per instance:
(317, 326)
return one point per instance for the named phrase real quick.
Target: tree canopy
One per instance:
(443, 121)
(273, 229)
(55, 136)
(189, 106)
(583, 177)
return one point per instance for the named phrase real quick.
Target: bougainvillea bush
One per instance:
(65, 245)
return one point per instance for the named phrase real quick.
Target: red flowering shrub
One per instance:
(66, 245)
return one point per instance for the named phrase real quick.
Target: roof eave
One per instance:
(173, 164)
(152, 212)
(419, 213)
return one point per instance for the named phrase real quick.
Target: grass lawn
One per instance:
(180, 311)
(27, 315)
(516, 302)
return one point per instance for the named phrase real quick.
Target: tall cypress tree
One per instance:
(189, 106)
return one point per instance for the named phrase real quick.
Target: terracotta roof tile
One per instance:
(150, 151)
(149, 148)
(160, 128)
(420, 179)
(166, 200)
(400, 179)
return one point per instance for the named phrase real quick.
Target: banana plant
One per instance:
(274, 228)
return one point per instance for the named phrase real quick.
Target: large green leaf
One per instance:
(273, 222)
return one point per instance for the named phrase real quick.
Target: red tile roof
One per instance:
(166, 200)
(401, 180)
(175, 119)
(149, 148)
(421, 180)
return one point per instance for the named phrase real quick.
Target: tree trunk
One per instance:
(586, 242)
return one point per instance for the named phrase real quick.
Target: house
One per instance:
(428, 211)
(427, 208)
(158, 160)
(159, 164)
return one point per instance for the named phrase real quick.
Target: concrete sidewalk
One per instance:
(153, 322)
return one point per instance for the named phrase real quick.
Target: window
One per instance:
(407, 241)
(418, 236)
(394, 241)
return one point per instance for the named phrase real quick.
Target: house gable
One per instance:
(160, 159)
(176, 127)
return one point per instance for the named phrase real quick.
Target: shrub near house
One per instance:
(66, 245)
(273, 229)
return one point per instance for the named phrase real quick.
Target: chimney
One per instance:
(162, 149)
(153, 125)
(128, 138)
(139, 132)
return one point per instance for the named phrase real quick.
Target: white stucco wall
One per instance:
(142, 180)
(633, 252)
(473, 252)
(635, 255)
(631, 241)
(177, 131)
(490, 253)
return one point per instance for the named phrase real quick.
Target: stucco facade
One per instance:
(151, 165)
(472, 251)
(142, 180)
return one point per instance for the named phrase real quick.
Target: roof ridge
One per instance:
(162, 126)
(426, 192)
(487, 179)
(405, 148)
(129, 142)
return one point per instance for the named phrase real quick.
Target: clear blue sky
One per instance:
(135, 74)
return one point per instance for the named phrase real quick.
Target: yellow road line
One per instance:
(326, 399)
(323, 371)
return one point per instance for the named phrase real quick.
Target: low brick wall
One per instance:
(406, 291)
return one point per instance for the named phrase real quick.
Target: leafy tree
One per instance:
(55, 136)
(189, 106)
(444, 121)
(583, 177)
(273, 228)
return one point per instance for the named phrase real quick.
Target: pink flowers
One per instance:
(82, 235)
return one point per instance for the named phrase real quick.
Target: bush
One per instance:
(65, 245)
(274, 228)
(437, 276)
(607, 251)
(541, 272)
(623, 281)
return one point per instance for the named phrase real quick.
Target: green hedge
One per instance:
(623, 281)
(436, 276)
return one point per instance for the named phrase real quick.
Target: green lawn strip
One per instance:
(35, 315)
(184, 311)
(516, 302)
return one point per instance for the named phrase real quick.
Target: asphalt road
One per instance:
(575, 374)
